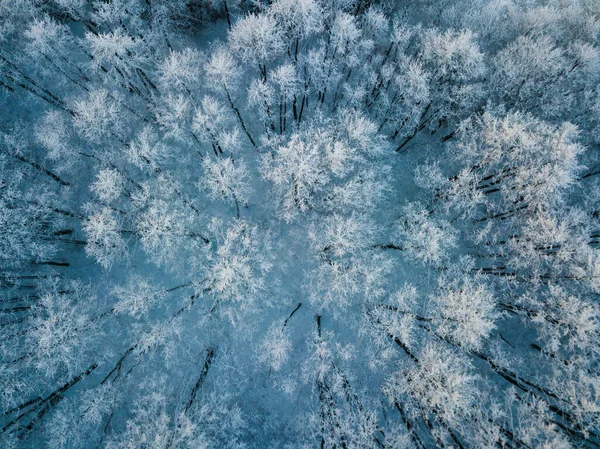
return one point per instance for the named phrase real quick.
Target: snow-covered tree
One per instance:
(226, 179)
(235, 272)
(106, 242)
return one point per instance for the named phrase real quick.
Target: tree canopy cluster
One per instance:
(344, 224)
